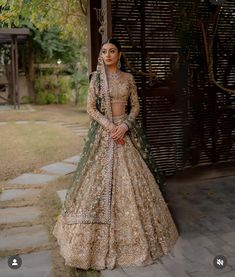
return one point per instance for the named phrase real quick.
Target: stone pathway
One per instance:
(21, 229)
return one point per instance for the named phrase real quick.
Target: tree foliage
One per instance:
(68, 15)
(58, 32)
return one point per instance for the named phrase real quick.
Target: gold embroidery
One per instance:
(116, 214)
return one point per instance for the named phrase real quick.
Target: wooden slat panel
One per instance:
(186, 125)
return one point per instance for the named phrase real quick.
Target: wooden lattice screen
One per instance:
(187, 120)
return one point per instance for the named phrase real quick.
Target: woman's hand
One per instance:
(119, 131)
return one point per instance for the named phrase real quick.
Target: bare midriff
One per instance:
(118, 109)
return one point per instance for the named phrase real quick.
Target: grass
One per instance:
(68, 113)
(26, 147)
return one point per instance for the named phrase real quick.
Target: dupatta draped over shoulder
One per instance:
(99, 149)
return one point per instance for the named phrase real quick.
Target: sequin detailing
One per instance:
(141, 228)
(135, 107)
(91, 105)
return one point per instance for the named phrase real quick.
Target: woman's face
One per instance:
(110, 54)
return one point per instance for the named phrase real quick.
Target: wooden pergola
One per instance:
(189, 118)
(13, 36)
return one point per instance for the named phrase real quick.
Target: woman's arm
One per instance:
(135, 106)
(92, 110)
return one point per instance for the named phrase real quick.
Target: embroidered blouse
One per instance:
(120, 89)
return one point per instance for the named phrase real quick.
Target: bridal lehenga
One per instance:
(114, 213)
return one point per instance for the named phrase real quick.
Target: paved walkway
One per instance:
(204, 211)
(22, 231)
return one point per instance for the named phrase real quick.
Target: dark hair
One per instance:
(118, 45)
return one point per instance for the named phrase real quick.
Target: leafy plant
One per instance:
(46, 97)
(62, 98)
(26, 99)
(51, 98)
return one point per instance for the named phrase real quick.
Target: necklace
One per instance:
(114, 75)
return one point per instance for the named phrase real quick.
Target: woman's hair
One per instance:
(118, 45)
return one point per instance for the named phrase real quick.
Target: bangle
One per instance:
(125, 126)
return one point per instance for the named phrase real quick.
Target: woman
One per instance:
(114, 213)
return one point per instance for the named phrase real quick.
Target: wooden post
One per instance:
(13, 73)
(107, 8)
(16, 72)
(94, 38)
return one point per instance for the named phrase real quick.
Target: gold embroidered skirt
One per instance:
(141, 228)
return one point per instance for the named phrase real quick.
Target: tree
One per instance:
(62, 38)
(69, 15)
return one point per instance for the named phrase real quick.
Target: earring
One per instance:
(119, 64)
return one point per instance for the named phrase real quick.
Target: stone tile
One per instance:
(41, 122)
(10, 194)
(200, 241)
(6, 107)
(81, 134)
(32, 179)
(116, 272)
(229, 274)
(62, 194)
(81, 131)
(22, 237)
(21, 122)
(78, 131)
(198, 268)
(176, 265)
(36, 264)
(23, 108)
(156, 269)
(209, 225)
(200, 255)
(202, 274)
(82, 128)
(231, 260)
(74, 159)
(215, 249)
(59, 168)
(69, 124)
(20, 214)
(218, 244)
(229, 237)
(231, 216)
(229, 250)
